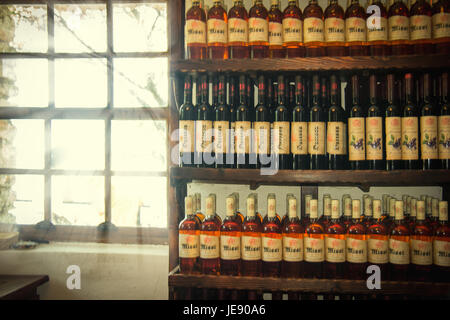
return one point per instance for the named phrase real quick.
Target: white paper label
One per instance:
(195, 32)
(237, 30)
(292, 30)
(375, 33)
(217, 31)
(230, 247)
(420, 27)
(251, 248)
(188, 245)
(313, 30)
(272, 249)
(209, 246)
(258, 30)
(356, 250)
(292, 249)
(275, 34)
(355, 29)
(441, 255)
(186, 135)
(421, 252)
(441, 25)
(335, 250)
(378, 251)
(398, 28)
(314, 249)
(398, 251)
(334, 30)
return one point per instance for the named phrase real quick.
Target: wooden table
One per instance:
(21, 287)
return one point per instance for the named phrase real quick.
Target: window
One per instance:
(84, 119)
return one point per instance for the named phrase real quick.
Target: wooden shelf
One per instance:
(313, 64)
(363, 179)
(317, 286)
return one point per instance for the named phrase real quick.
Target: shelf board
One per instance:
(359, 178)
(313, 64)
(318, 286)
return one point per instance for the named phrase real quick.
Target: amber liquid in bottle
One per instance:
(196, 31)
(377, 31)
(420, 27)
(356, 245)
(293, 230)
(398, 21)
(217, 32)
(313, 30)
(258, 33)
(335, 245)
(355, 29)
(251, 242)
(230, 242)
(210, 240)
(399, 246)
(276, 49)
(188, 236)
(272, 239)
(238, 31)
(293, 30)
(314, 245)
(335, 30)
(441, 26)
(441, 242)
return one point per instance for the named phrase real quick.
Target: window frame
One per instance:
(106, 232)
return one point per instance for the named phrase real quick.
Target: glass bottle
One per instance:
(347, 216)
(281, 130)
(186, 126)
(325, 219)
(313, 29)
(374, 129)
(316, 130)
(276, 49)
(293, 30)
(307, 211)
(420, 27)
(314, 244)
(393, 127)
(410, 128)
(377, 30)
(271, 236)
(238, 31)
(230, 241)
(378, 241)
(355, 29)
(335, 245)
(441, 26)
(210, 240)
(398, 22)
(251, 241)
(258, 30)
(413, 213)
(204, 128)
(441, 246)
(233, 104)
(356, 130)
(217, 31)
(299, 129)
(239, 216)
(221, 126)
(368, 211)
(421, 247)
(356, 245)
(334, 35)
(434, 220)
(195, 31)
(444, 124)
(292, 266)
(261, 127)
(188, 239)
(242, 127)
(198, 207)
(399, 258)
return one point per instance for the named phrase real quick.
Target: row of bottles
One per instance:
(406, 244)
(262, 33)
(404, 123)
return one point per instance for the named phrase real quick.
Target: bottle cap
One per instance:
(327, 206)
(198, 201)
(356, 209)
(288, 196)
(443, 211)
(292, 207)
(348, 207)
(230, 206)
(210, 206)
(308, 198)
(420, 210)
(435, 207)
(313, 208)
(384, 197)
(398, 210)
(334, 209)
(408, 205)
(368, 211)
(392, 207)
(250, 206)
(413, 207)
(271, 205)
(188, 208)
(376, 208)
(428, 205)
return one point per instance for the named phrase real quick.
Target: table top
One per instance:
(12, 286)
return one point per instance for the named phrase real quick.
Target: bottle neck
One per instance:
(298, 91)
(221, 92)
(373, 89)
(316, 91)
(444, 87)
(281, 91)
(242, 91)
(390, 88)
(204, 91)
(409, 88)
(261, 91)
(188, 91)
(355, 90)
(426, 88)
(334, 91)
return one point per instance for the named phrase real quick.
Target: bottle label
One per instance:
(188, 244)
(203, 135)
(299, 138)
(334, 30)
(410, 130)
(221, 140)
(335, 138)
(441, 25)
(314, 249)
(356, 137)
(441, 255)
(292, 30)
(272, 249)
(293, 248)
(393, 138)
(398, 251)
(275, 34)
(258, 30)
(378, 250)
(335, 249)
(428, 137)
(377, 34)
(421, 252)
(251, 248)
(345, 140)
(261, 144)
(195, 32)
(186, 135)
(356, 250)
(313, 30)
(444, 137)
(217, 31)
(281, 137)
(398, 28)
(230, 247)
(209, 246)
(316, 138)
(242, 137)
(237, 30)
(355, 29)
(374, 138)
(420, 27)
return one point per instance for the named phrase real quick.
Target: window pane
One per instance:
(80, 83)
(80, 28)
(139, 201)
(22, 144)
(22, 196)
(78, 144)
(140, 82)
(147, 23)
(23, 28)
(23, 83)
(78, 200)
(138, 145)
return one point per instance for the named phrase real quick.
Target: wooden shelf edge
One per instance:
(308, 285)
